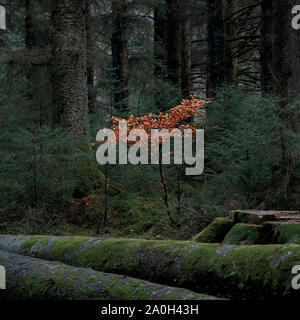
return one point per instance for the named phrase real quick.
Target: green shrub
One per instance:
(244, 151)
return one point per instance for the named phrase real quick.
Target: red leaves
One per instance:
(172, 120)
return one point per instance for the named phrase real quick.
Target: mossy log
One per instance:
(252, 216)
(214, 232)
(277, 232)
(30, 278)
(243, 233)
(230, 271)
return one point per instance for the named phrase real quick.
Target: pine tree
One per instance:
(120, 55)
(69, 73)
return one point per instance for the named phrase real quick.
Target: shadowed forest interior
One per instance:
(70, 68)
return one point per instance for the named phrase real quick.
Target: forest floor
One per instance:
(127, 215)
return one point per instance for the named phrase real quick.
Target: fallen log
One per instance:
(279, 232)
(214, 232)
(231, 271)
(243, 233)
(30, 278)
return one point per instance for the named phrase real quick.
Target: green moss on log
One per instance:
(289, 233)
(66, 246)
(30, 242)
(30, 278)
(231, 271)
(277, 232)
(215, 232)
(244, 234)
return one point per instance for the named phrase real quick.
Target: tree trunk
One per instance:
(266, 45)
(160, 39)
(90, 61)
(34, 279)
(286, 60)
(231, 60)
(280, 76)
(69, 74)
(186, 61)
(174, 43)
(250, 272)
(29, 27)
(30, 43)
(280, 50)
(216, 45)
(160, 55)
(70, 91)
(120, 55)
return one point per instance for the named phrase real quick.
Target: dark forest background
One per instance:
(67, 64)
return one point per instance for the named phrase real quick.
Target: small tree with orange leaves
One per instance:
(179, 117)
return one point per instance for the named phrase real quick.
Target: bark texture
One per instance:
(266, 47)
(29, 27)
(30, 278)
(90, 59)
(160, 55)
(120, 55)
(69, 74)
(222, 68)
(286, 48)
(174, 43)
(280, 76)
(160, 40)
(231, 45)
(30, 41)
(186, 60)
(216, 45)
(280, 50)
(231, 271)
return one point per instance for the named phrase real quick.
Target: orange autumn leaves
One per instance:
(177, 118)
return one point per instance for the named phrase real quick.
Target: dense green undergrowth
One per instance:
(127, 216)
(45, 189)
